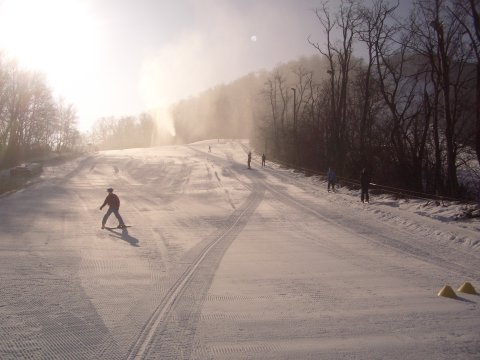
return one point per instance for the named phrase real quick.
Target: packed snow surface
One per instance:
(225, 262)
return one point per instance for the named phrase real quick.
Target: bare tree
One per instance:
(444, 44)
(373, 21)
(301, 89)
(467, 14)
(339, 55)
(270, 93)
(18, 102)
(276, 92)
(66, 133)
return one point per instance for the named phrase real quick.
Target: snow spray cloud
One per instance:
(169, 75)
(222, 44)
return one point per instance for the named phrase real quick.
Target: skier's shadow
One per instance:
(124, 235)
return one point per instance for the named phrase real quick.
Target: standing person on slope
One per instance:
(331, 179)
(113, 203)
(249, 160)
(364, 183)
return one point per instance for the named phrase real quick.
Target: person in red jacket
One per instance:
(113, 203)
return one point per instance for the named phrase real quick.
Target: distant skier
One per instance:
(263, 160)
(364, 183)
(249, 159)
(209, 148)
(113, 203)
(331, 179)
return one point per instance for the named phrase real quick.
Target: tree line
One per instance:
(398, 96)
(109, 133)
(32, 121)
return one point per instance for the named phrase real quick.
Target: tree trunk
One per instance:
(477, 113)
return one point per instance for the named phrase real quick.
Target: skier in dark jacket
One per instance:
(249, 160)
(364, 183)
(331, 179)
(113, 203)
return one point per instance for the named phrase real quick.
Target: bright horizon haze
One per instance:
(122, 58)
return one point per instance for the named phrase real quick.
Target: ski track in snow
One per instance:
(223, 262)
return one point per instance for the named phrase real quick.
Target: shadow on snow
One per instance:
(124, 235)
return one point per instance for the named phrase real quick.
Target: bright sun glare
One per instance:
(56, 37)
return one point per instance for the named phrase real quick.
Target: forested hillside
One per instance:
(396, 96)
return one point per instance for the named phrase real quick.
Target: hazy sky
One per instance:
(124, 57)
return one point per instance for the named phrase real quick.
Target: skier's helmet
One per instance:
(110, 190)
